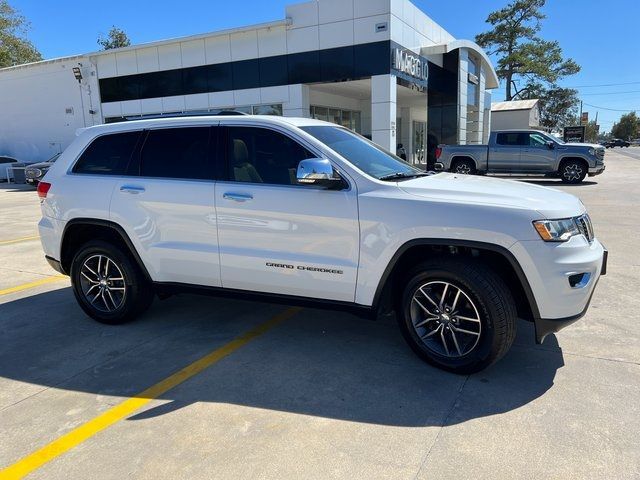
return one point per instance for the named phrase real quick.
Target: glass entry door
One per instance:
(419, 143)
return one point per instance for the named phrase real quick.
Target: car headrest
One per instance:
(240, 151)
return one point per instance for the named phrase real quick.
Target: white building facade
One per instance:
(380, 67)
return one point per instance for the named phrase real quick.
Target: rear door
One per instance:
(166, 205)
(279, 236)
(504, 155)
(536, 155)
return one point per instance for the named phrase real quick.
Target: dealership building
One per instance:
(380, 67)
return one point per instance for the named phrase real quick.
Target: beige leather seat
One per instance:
(243, 171)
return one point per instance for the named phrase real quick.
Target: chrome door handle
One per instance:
(134, 189)
(237, 197)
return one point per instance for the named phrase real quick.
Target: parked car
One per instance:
(5, 167)
(617, 142)
(36, 171)
(524, 152)
(308, 212)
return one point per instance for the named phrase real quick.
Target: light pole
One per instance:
(77, 73)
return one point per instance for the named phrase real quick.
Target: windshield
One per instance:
(553, 138)
(362, 153)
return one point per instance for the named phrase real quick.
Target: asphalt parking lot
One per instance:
(309, 393)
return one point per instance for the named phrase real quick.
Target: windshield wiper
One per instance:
(398, 175)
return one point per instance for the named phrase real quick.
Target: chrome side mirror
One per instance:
(317, 171)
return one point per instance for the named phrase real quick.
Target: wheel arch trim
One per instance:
(504, 252)
(116, 228)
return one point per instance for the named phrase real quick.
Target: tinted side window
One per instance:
(536, 140)
(259, 155)
(108, 154)
(510, 139)
(177, 153)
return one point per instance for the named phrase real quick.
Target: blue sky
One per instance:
(603, 37)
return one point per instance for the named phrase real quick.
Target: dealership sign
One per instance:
(409, 65)
(574, 134)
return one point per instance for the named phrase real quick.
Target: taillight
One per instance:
(438, 152)
(43, 189)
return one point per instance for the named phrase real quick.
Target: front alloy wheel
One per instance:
(573, 172)
(457, 314)
(446, 319)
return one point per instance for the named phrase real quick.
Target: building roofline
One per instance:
(156, 43)
(492, 80)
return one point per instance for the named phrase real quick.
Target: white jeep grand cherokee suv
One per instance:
(304, 211)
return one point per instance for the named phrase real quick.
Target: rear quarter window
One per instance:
(108, 154)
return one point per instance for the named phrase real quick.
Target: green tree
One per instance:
(591, 132)
(627, 128)
(116, 38)
(15, 49)
(522, 55)
(558, 106)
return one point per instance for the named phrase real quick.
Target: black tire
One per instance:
(573, 171)
(137, 292)
(464, 167)
(491, 299)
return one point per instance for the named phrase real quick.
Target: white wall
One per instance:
(34, 123)
(33, 99)
(508, 119)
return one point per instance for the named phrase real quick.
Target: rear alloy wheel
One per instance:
(458, 316)
(109, 287)
(464, 167)
(573, 171)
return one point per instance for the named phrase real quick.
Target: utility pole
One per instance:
(580, 112)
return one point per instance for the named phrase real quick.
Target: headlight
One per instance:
(592, 151)
(556, 230)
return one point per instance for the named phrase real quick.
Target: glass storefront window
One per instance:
(320, 113)
(275, 109)
(356, 122)
(334, 115)
(347, 118)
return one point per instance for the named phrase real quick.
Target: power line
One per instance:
(611, 109)
(603, 85)
(611, 93)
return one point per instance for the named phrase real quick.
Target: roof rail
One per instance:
(129, 118)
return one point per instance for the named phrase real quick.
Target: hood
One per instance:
(451, 187)
(577, 144)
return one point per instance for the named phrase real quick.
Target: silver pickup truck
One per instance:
(524, 152)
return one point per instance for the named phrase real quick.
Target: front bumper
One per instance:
(546, 326)
(597, 170)
(562, 278)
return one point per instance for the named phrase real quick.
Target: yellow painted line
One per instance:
(37, 283)
(87, 430)
(18, 240)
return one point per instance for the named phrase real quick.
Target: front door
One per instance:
(536, 156)
(166, 205)
(504, 157)
(278, 236)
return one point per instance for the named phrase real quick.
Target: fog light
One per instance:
(579, 280)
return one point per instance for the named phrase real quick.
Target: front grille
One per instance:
(585, 227)
(600, 153)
